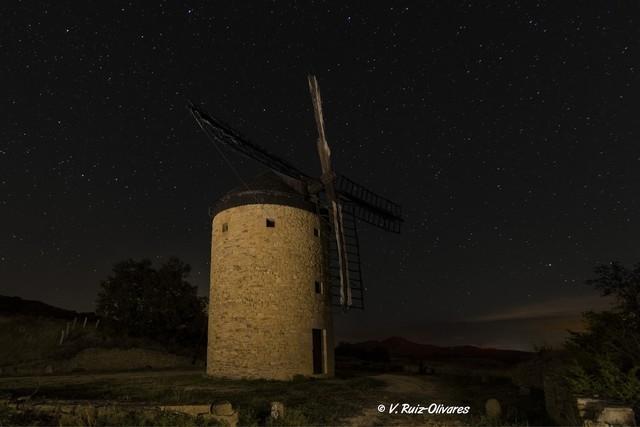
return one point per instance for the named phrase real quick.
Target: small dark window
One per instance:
(225, 227)
(316, 232)
(318, 286)
(271, 222)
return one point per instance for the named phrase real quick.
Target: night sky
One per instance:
(508, 133)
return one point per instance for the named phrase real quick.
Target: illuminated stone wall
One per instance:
(263, 302)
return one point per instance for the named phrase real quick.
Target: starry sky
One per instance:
(507, 131)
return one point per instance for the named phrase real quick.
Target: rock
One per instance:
(492, 408)
(617, 416)
(601, 413)
(223, 413)
(48, 369)
(222, 408)
(277, 410)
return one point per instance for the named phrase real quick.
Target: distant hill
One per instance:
(12, 306)
(401, 347)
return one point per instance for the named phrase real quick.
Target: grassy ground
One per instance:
(31, 345)
(339, 401)
(24, 338)
(251, 398)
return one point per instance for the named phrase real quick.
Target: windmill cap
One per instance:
(269, 188)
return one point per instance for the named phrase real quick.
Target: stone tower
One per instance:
(269, 300)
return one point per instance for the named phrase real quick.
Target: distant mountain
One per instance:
(402, 347)
(18, 306)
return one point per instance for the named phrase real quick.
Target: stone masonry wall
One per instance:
(263, 304)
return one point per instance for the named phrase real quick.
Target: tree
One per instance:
(606, 357)
(155, 303)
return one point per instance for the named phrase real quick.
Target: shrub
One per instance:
(141, 301)
(605, 359)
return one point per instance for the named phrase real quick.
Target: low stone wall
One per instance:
(95, 413)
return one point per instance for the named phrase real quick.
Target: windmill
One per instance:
(338, 203)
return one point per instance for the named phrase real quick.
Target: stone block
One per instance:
(222, 408)
(492, 408)
(277, 410)
(617, 416)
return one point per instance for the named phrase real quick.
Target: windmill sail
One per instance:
(224, 134)
(352, 249)
(328, 179)
(369, 206)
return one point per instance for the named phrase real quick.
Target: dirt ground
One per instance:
(419, 388)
